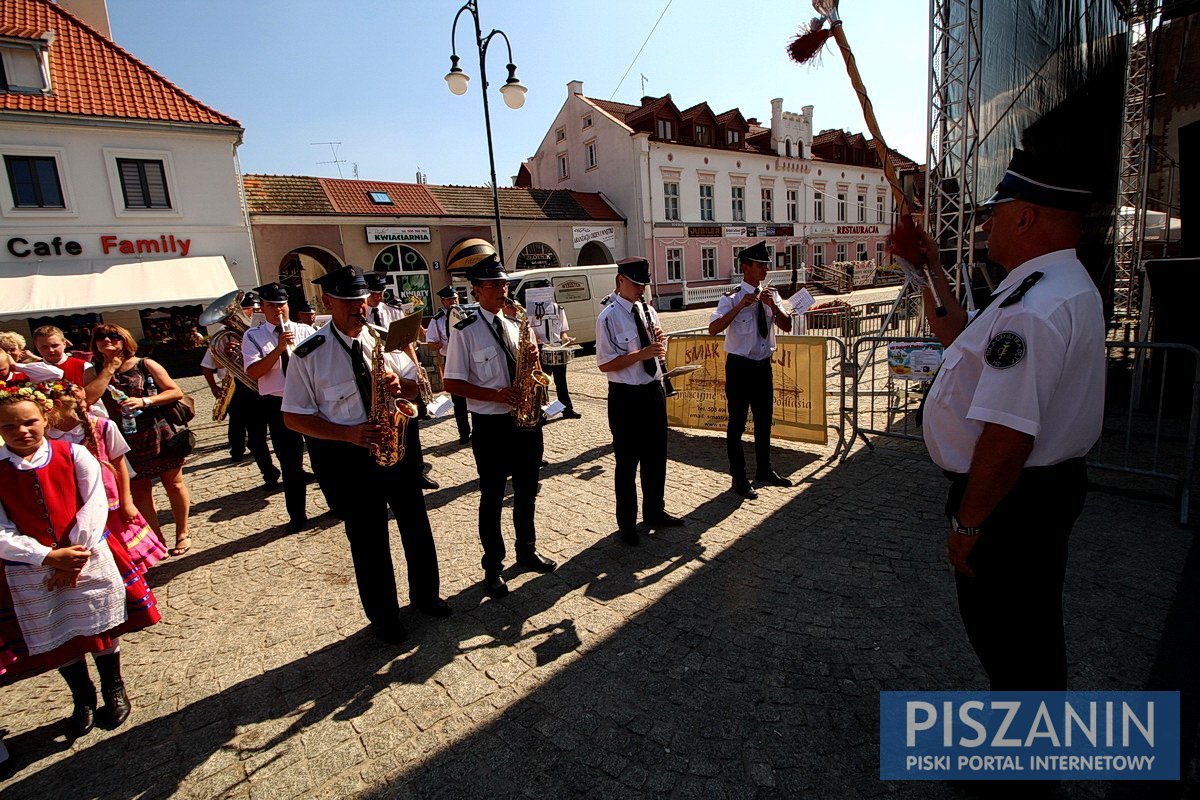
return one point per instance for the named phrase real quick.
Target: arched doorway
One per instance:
(594, 253)
(537, 255)
(408, 274)
(300, 267)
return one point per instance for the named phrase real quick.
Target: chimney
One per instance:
(93, 13)
(574, 88)
(752, 121)
(647, 100)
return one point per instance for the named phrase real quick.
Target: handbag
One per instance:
(179, 413)
(181, 444)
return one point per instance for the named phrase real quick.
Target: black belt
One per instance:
(1048, 473)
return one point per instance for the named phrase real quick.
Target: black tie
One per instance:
(762, 320)
(283, 359)
(362, 374)
(378, 319)
(508, 356)
(644, 337)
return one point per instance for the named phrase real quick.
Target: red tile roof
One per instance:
(285, 194)
(92, 76)
(408, 199)
(618, 110)
(300, 194)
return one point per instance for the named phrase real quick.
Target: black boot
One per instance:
(83, 693)
(112, 688)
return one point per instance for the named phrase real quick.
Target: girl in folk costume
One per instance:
(66, 587)
(70, 421)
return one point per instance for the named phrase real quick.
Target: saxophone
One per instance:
(530, 382)
(393, 416)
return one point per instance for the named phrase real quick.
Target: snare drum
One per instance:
(556, 356)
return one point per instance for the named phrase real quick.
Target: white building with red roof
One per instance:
(697, 185)
(121, 194)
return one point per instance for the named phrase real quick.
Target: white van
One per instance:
(579, 290)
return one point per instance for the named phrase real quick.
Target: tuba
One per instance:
(226, 347)
(530, 381)
(393, 418)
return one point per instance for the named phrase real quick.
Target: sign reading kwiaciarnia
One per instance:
(799, 371)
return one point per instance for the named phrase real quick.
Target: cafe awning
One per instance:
(50, 288)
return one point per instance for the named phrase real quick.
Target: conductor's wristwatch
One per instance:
(963, 530)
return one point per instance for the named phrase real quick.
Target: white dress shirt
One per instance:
(1036, 366)
(742, 337)
(321, 382)
(114, 443)
(617, 335)
(556, 320)
(383, 314)
(475, 356)
(89, 521)
(208, 362)
(259, 342)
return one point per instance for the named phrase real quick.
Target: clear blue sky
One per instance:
(368, 73)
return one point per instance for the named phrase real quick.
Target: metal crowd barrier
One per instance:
(1148, 431)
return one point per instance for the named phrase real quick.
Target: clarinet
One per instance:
(668, 389)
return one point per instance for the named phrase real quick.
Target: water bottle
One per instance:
(128, 421)
(151, 387)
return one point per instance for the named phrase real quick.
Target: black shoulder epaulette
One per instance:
(733, 292)
(309, 344)
(441, 313)
(464, 322)
(1020, 291)
(607, 299)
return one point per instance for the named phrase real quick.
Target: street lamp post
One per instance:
(512, 91)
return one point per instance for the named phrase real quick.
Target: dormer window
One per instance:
(703, 135)
(665, 129)
(380, 198)
(733, 137)
(23, 68)
(587, 121)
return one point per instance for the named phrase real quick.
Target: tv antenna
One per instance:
(645, 80)
(337, 162)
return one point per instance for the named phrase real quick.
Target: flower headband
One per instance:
(27, 391)
(56, 389)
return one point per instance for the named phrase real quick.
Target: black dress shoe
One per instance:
(237, 457)
(571, 413)
(83, 719)
(429, 483)
(271, 481)
(464, 439)
(494, 585)
(437, 607)
(744, 489)
(630, 536)
(390, 632)
(116, 706)
(665, 520)
(771, 478)
(296, 525)
(537, 562)
(309, 478)
(544, 463)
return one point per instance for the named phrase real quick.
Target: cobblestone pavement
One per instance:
(740, 656)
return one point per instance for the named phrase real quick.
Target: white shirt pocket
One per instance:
(488, 363)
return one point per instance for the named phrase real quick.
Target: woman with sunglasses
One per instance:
(125, 376)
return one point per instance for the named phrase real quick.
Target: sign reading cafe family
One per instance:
(397, 235)
(162, 244)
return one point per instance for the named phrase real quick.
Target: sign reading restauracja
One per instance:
(165, 243)
(397, 235)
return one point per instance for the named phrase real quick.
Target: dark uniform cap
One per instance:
(1043, 181)
(302, 306)
(446, 292)
(488, 268)
(272, 293)
(636, 269)
(345, 284)
(249, 300)
(757, 253)
(376, 281)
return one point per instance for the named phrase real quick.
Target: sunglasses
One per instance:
(111, 337)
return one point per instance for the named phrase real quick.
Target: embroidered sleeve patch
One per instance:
(1006, 349)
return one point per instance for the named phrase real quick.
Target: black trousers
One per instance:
(1012, 608)
(289, 449)
(559, 373)
(748, 388)
(364, 491)
(461, 416)
(502, 449)
(248, 429)
(637, 417)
